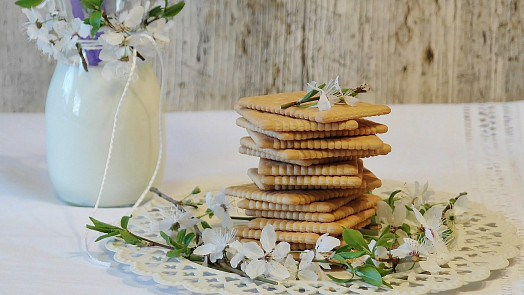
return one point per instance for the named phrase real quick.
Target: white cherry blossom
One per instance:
(236, 253)
(324, 244)
(305, 270)
(431, 221)
(221, 206)
(419, 195)
(34, 24)
(70, 32)
(414, 248)
(386, 214)
(266, 261)
(215, 241)
(328, 94)
(456, 215)
(184, 219)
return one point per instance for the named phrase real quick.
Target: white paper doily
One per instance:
(488, 242)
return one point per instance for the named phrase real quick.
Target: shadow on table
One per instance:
(27, 177)
(495, 275)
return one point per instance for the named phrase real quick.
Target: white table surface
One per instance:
(474, 148)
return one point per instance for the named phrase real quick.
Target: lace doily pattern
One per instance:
(487, 243)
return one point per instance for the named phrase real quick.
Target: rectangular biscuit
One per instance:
(299, 247)
(365, 201)
(332, 181)
(333, 228)
(367, 142)
(294, 154)
(294, 183)
(275, 122)
(297, 197)
(301, 162)
(318, 206)
(369, 182)
(270, 167)
(271, 103)
(365, 127)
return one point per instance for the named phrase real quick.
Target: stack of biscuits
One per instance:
(311, 179)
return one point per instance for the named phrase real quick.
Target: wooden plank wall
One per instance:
(426, 51)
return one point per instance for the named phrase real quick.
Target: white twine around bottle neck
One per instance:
(113, 132)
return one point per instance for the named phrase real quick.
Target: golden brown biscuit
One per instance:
(332, 228)
(275, 122)
(365, 127)
(365, 201)
(271, 103)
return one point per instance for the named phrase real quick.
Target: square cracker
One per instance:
(333, 228)
(297, 197)
(335, 181)
(270, 167)
(273, 156)
(369, 182)
(365, 127)
(271, 103)
(294, 154)
(276, 122)
(363, 202)
(367, 142)
(319, 206)
(267, 182)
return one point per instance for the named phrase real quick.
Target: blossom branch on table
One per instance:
(412, 232)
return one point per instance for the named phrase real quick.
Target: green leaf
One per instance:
(102, 225)
(173, 10)
(188, 238)
(155, 11)
(205, 225)
(345, 248)
(391, 199)
(355, 239)
(337, 280)
(406, 228)
(28, 3)
(124, 221)
(92, 4)
(369, 274)
(174, 252)
(210, 212)
(386, 240)
(308, 95)
(128, 237)
(108, 235)
(383, 271)
(99, 229)
(351, 255)
(166, 237)
(94, 20)
(180, 235)
(342, 260)
(387, 284)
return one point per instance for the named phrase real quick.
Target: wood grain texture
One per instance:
(425, 51)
